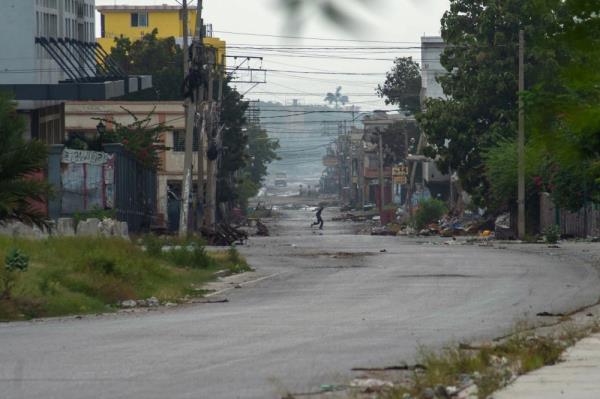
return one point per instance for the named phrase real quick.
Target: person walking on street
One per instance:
(319, 219)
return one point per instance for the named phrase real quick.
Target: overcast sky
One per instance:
(399, 23)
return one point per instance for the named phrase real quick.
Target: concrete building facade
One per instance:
(134, 21)
(431, 67)
(79, 119)
(22, 21)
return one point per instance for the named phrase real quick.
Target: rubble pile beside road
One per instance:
(223, 235)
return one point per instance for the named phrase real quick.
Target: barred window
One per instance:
(179, 141)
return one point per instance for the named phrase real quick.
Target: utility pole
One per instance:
(209, 215)
(381, 181)
(521, 138)
(184, 216)
(200, 112)
(215, 141)
(194, 91)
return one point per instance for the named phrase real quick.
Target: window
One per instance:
(139, 19)
(179, 141)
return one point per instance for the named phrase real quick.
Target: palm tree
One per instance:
(18, 160)
(336, 97)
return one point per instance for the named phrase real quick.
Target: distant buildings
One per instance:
(431, 50)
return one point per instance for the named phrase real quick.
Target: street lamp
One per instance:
(100, 129)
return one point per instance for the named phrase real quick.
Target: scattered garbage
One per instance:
(502, 228)
(224, 235)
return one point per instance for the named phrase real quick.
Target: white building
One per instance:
(48, 54)
(431, 50)
(23, 60)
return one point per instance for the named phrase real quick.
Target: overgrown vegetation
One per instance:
(19, 161)
(95, 213)
(429, 211)
(91, 275)
(489, 367)
(552, 234)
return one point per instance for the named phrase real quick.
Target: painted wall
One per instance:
(117, 22)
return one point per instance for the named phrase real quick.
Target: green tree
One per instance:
(337, 97)
(402, 86)
(234, 154)
(247, 150)
(140, 137)
(160, 57)
(481, 60)
(564, 109)
(18, 160)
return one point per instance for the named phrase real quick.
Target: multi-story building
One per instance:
(431, 68)
(134, 22)
(47, 55)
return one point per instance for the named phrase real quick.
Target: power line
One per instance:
(310, 38)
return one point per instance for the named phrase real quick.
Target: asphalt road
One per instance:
(333, 302)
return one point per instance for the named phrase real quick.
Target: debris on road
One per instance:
(224, 235)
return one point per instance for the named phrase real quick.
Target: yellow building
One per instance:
(135, 21)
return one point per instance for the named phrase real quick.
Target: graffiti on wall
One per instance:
(87, 180)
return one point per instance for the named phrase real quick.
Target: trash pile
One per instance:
(448, 226)
(224, 235)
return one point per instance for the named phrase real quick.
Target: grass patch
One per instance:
(75, 275)
(489, 367)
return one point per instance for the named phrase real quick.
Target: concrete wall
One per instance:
(166, 19)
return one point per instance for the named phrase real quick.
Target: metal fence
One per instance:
(113, 179)
(583, 223)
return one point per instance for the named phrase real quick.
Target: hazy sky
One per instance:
(399, 23)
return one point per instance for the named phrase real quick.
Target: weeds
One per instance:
(74, 275)
(488, 367)
(429, 211)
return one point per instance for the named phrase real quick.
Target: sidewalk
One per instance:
(578, 377)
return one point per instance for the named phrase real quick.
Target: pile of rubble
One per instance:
(224, 235)
(450, 226)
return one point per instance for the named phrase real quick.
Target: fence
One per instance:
(583, 223)
(113, 179)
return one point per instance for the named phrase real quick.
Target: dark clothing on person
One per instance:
(319, 219)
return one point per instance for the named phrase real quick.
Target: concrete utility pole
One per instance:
(198, 53)
(191, 67)
(209, 215)
(381, 181)
(215, 140)
(521, 138)
(184, 216)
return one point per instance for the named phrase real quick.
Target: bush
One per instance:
(552, 234)
(429, 211)
(15, 261)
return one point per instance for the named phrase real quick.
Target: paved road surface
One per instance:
(323, 312)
